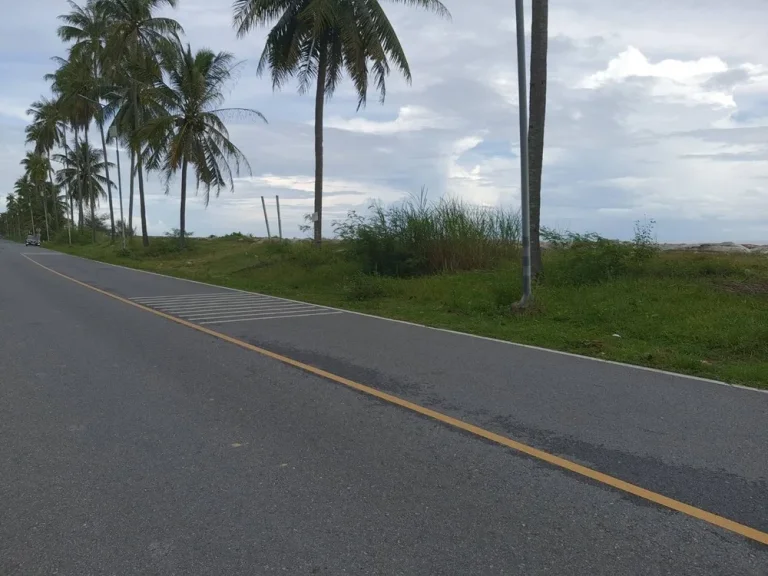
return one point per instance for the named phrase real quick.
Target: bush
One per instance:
(589, 258)
(79, 238)
(417, 237)
(168, 245)
(361, 287)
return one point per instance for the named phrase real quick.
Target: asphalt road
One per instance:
(130, 444)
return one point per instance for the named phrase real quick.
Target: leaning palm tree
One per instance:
(192, 132)
(86, 27)
(46, 132)
(319, 40)
(135, 34)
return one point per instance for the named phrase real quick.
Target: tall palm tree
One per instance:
(536, 117)
(86, 28)
(46, 132)
(319, 40)
(130, 103)
(73, 78)
(36, 168)
(191, 132)
(135, 34)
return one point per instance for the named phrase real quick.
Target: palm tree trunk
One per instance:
(130, 192)
(53, 191)
(142, 206)
(45, 214)
(32, 217)
(109, 182)
(90, 191)
(71, 207)
(120, 189)
(183, 207)
(319, 105)
(537, 114)
(71, 214)
(80, 214)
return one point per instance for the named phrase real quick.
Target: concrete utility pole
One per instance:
(266, 219)
(525, 201)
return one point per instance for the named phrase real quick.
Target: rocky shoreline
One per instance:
(728, 247)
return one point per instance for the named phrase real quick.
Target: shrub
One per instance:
(417, 237)
(589, 258)
(361, 287)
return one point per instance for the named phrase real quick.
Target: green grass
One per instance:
(698, 314)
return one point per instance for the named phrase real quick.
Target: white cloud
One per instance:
(675, 80)
(409, 119)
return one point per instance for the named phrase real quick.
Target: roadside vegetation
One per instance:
(455, 266)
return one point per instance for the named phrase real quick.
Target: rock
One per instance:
(724, 247)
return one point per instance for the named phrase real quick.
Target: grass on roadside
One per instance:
(702, 314)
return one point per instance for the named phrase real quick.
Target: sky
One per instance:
(656, 111)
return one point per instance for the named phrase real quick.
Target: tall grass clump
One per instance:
(417, 237)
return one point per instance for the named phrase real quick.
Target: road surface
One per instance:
(131, 443)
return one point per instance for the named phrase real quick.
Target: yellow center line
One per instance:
(656, 498)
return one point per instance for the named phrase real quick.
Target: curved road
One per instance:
(281, 438)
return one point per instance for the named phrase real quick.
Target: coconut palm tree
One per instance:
(36, 168)
(24, 189)
(13, 207)
(72, 79)
(134, 78)
(86, 28)
(85, 169)
(46, 131)
(135, 34)
(536, 117)
(192, 132)
(320, 40)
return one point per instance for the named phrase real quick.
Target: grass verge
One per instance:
(699, 314)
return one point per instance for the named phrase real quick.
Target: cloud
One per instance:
(654, 109)
(697, 81)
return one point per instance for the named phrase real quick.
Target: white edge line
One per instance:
(271, 317)
(448, 331)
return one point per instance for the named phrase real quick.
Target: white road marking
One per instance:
(272, 317)
(241, 314)
(225, 307)
(193, 297)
